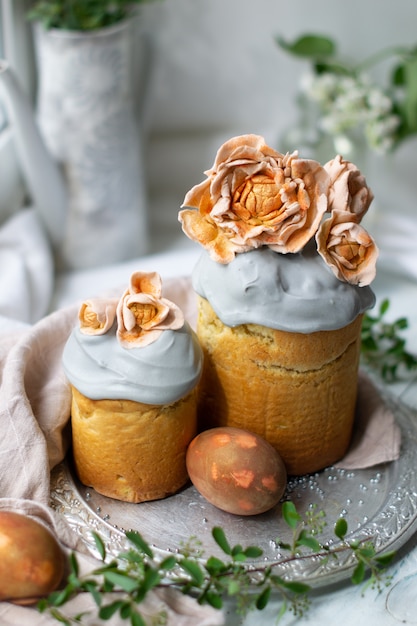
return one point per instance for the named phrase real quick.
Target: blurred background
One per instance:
(214, 70)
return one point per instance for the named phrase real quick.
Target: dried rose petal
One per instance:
(347, 248)
(141, 310)
(146, 282)
(255, 196)
(142, 314)
(348, 189)
(96, 316)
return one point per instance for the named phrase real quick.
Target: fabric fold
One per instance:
(27, 285)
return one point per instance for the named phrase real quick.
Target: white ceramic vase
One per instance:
(89, 117)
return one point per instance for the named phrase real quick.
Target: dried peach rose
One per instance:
(255, 196)
(348, 189)
(96, 316)
(142, 312)
(347, 248)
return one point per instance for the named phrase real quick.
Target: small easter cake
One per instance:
(282, 286)
(133, 364)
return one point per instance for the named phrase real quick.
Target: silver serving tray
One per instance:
(378, 503)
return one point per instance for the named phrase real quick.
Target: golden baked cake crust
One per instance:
(298, 391)
(132, 451)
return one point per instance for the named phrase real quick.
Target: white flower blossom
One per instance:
(379, 102)
(380, 133)
(347, 102)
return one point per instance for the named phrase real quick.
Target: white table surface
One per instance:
(342, 604)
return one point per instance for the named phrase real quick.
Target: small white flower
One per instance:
(320, 88)
(379, 102)
(380, 132)
(348, 102)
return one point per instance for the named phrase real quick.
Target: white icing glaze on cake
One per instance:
(290, 292)
(159, 373)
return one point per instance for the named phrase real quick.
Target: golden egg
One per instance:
(236, 470)
(31, 560)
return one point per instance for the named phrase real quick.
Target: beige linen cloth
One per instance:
(34, 415)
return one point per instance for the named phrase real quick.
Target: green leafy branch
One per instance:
(304, 535)
(383, 348)
(121, 585)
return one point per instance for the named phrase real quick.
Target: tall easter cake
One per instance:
(133, 364)
(282, 286)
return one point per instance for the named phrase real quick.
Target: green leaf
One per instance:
(309, 46)
(401, 323)
(42, 605)
(384, 306)
(308, 541)
(263, 598)
(253, 552)
(106, 612)
(398, 76)
(214, 599)
(106, 567)
(138, 541)
(91, 587)
(358, 573)
(237, 550)
(410, 105)
(100, 546)
(369, 344)
(341, 528)
(136, 619)
(290, 515)
(133, 556)
(233, 587)
(151, 579)
(121, 580)
(385, 559)
(73, 580)
(367, 551)
(60, 618)
(73, 564)
(58, 598)
(126, 610)
(296, 587)
(321, 67)
(282, 611)
(194, 570)
(220, 538)
(215, 566)
(168, 563)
